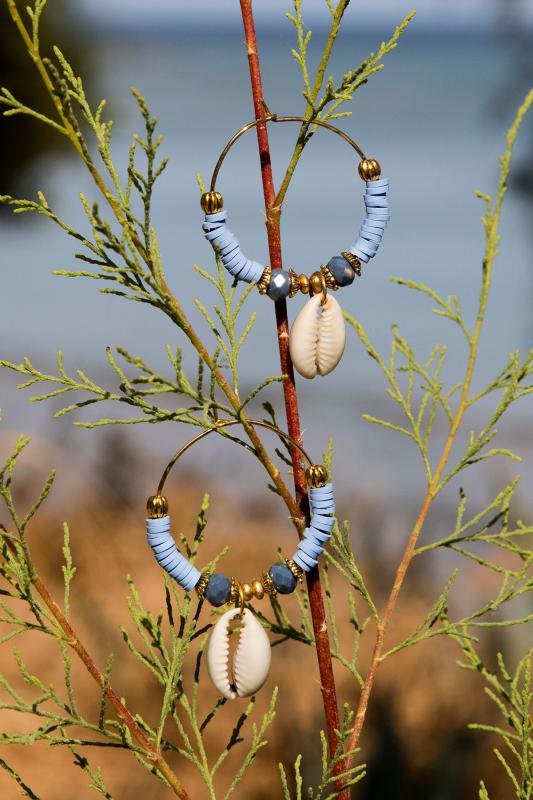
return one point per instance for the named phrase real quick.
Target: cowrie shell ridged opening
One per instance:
(317, 337)
(251, 662)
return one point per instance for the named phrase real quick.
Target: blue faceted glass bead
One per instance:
(280, 284)
(282, 578)
(343, 272)
(218, 589)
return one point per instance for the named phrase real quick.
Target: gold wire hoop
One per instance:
(275, 118)
(227, 424)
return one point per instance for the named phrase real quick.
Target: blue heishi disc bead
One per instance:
(282, 578)
(343, 273)
(218, 589)
(279, 286)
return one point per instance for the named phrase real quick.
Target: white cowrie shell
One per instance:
(317, 337)
(251, 663)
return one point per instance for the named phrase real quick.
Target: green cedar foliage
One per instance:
(119, 251)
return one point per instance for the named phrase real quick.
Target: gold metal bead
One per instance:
(157, 506)
(264, 281)
(317, 283)
(268, 584)
(353, 261)
(369, 169)
(201, 586)
(211, 202)
(303, 280)
(258, 589)
(331, 283)
(247, 592)
(295, 569)
(316, 475)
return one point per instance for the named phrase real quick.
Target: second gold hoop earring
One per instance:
(317, 337)
(250, 665)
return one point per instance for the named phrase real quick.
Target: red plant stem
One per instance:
(273, 213)
(72, 639)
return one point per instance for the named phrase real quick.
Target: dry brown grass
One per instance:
(416, 742)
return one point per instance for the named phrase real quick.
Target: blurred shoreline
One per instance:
(436, 120)
(176, 32)
(446, 119)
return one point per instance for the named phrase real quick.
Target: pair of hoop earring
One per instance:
(317, 336)
(317, 341)
(251, 663)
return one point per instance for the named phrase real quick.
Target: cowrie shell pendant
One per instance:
(251, 662)
(317, 337)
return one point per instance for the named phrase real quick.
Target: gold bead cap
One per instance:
(264, 281)
(201, 586)
(331, 283)
(295, 569)
(268, 584)
(353, 261)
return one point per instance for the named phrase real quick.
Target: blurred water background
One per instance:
(435, 118)
(431, 118)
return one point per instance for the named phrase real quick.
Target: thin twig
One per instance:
(310, 110)
(299, 508)
(72, 639)
(492, 223)
(178, 312)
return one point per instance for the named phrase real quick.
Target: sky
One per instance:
(432, 13)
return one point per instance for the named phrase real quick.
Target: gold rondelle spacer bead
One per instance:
(303, 280)
(268, 584)
(247, 592)
(211, 202)
(369, 169)
(316, 476)
(264, 281)
(258, 589)
(157, 506)
(294, 283)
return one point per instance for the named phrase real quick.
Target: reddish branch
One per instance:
(71, 638)
(273, 213)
